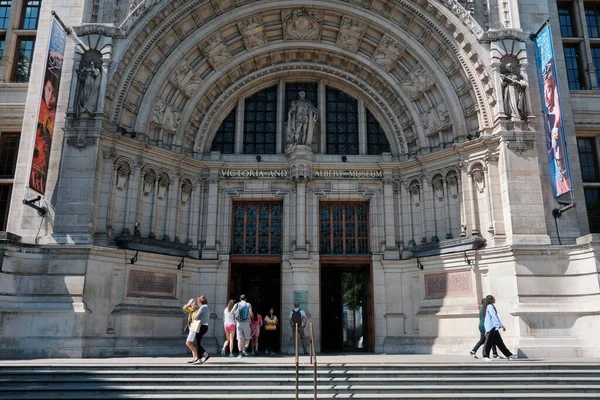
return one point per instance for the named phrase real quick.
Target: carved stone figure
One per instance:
(417, 82)
(513, 94)
(186, 190)
(302, 118)
(88, 88)
(123, 172)
(186, 79)
(163, 186)
(388, 52)
(435, 120)
(415, 194)
(303, 24)
(149, 180)
(166, 116)
(215, 51)
(351, 33)
(133, 4)
(252, 32)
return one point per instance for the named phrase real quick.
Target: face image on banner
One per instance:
(47, 109)
(556, 145)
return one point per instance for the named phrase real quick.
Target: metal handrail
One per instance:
(313, 353)
(297, 361)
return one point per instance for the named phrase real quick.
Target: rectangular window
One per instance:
(4, 14)
(31, 14)
(5, 192)
(2, 41)
(9, 147)
(24, 57)
(596, 61)
(257, 228)
(592, 202)
(260, 122)
(565, 16)
(344, 228)
(592, 19)
(573, 70)
(588, 159)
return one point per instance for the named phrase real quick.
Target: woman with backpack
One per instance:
(192, 309)
(255, 324)
(492, 326)
(229, 327)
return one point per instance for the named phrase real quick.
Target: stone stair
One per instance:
(238, 380)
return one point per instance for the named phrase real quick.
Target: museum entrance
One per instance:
(261, 283)
(346, 308)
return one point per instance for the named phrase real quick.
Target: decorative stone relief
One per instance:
(417, 82)
(351, 33)
(388, 52)
(215, 51)
(415, 193)
(166, 116)
(186, 190)
(252, 31)
(163, 186)
(186, 79)
(133, 4)
(448, 283)
(89, 76)
(123, 172)
(452, 181)
(478, 180)
(149, 180)
(513, 93)
(438, 187)
(302, 24)
(435, 120)
(464, 15)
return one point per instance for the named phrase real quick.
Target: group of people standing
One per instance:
(489, 329)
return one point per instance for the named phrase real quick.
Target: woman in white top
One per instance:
(229, 326)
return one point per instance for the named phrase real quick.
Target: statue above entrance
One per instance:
(302, 117)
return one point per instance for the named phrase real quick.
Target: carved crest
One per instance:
(302, 24)
(215, 51)
(388, 52)
(252, 31)
(351, 33)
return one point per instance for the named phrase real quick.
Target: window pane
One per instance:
(224, 141)
(24, 57)
(565, 16)
(259, 128)
(5, 191)
(4, 13)
(256, 228)
(588, 159)
(9, 146)
(31, 14)
(2, 41)
(377, 143)
(592, 18)
(339, 232)
(592, 202)
(572, 61)
(342, 123)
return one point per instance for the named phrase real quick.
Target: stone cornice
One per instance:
(494, 35)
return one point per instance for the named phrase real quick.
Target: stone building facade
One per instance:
(364, 157)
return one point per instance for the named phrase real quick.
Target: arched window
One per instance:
(377, 143)
(260, 122)
(224, 141)
(342, 123)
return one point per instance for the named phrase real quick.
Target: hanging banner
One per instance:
(47, 110)
(558, 156)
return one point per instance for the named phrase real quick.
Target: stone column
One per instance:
(194, 216)
(210, 250)
(389, 218)
(447, 204)
(104, 197)
(153, 217)
(172, 208)
(362, 127)
(239, 127)
(132, 196)
(300, 215)
(461, 198)
(428, 208)
(407, 234)
(473, 199)
(322, 117)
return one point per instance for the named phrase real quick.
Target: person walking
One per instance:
(298, 317)
(270, 321)
(255, 325)
(229, 327)
(243, 313)
(492, 326)
(203, 316)
(192, 309)
(482, 334)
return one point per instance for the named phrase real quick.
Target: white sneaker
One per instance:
(487, 359)
(512, 357)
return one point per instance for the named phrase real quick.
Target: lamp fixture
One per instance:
(181, 264)
(42, 210)
(258, 158)
(419, 265)
(134, 258)
(467, 259)
(344, 158)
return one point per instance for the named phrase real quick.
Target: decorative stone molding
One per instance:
(520, 145)
(351, 33)
(81, 143)
(478, 179)
(252, 31)
(448, 246)
(504, 34)
(215, 51)
(465, 16)
(123, 172)
(388, 52)
(302, 24)
(186, 190)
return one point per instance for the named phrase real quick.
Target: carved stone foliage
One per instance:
(388, 52)
(186, 79)
(166, 116)
(434, 120)
(252, 31)
(215, 51)
(302, 24)
(417, 82)
(351, 33)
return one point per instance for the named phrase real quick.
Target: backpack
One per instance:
(241, 313)
(297, 317)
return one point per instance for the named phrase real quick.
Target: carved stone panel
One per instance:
(351, 33)
(388, 52)
(448, 284)
(302, 24)
(435, 120)
(186, 79)
(151, 284)
(215, 51)
(417, 82)
(252, 31)
(166, 116)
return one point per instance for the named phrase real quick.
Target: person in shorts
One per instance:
(229, 327)
(255, 325)
(242, 312)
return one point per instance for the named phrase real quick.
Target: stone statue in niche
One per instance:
(388, 52)
(435, 120)
(452, 185)
(122, 176)
(513, 93)
(149, 180)
(163, 186)
(303, 24)
(478, 180)
(215, 51)
(351, 33)
(252, 32)
(415, 194)
(302, 119)
(417, 82)
(438, 188)
(88, 84)
(165, 116)
(186, 190)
